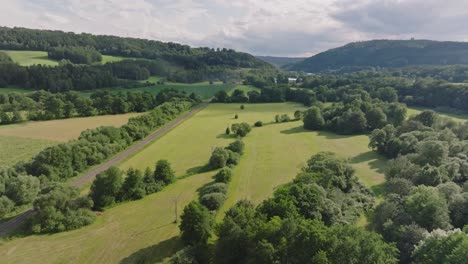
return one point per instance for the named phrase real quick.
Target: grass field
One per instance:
(132, 231)
(62, 129)
(27, 57)
(456, 117)
(7, 90)
(15, 149)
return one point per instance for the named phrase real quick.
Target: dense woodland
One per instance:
(385, 54)
(77, 55)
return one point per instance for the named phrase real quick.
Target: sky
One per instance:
(294, 28)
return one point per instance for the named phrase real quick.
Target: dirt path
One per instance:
(20, 219)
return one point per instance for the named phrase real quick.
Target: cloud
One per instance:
(264, 27)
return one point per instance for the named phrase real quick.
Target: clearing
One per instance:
(28, 57)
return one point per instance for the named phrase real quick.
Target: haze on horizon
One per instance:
(261, 27)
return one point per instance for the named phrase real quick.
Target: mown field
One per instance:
(16, 149)
(20, 142)
(143, 229)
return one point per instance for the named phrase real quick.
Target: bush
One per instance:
(236, 116)
(213, 201)
(6, 205)
(224, 175)
(219, 158)
(241, 129)
(258, 124)
(217, 187)
(236, 146)
(164, 173)
(233, 158)
(242, 107)
(106, 187)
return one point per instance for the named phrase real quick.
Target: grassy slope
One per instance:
(245, 88)
(62, 129)
(15, 149)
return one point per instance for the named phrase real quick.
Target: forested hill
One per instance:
(44, 40)
(280, 61)
(386, 53)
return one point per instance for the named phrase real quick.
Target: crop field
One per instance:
(27, 57)
(132, 231)
(16, 149)
(62, 129)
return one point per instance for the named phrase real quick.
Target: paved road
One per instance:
(20, 219)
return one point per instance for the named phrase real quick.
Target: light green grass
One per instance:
(456, 117)
(108, 58)
(27, 57)
(123, 234)
(16, 149)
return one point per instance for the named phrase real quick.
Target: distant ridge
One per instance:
(279, 61)
(385, 53)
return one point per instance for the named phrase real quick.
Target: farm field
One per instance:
(62, 129)
(128, 232)
(16, 149)
(27, 57)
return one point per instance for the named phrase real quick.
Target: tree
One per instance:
(23, 189)
(224, 175)
(221, 97)
(297, 115)
(258, 124)
(428, 208)
(442, 247)
(195, 225)
(432, 152)
(228, 131)
(213, 201)
(133, 187)
(242, 107)
(219, 158)
(241, 129)
(387, 94)
(6, 205)
(106, 187)
(237, 146)
(352, 121)
(426, 117)
(313, 119)
(376, 118)
(164, 172)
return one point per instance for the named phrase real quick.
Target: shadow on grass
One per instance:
(331, 135)
(225, 136)
(196, 170)
(294, 130)
(376, 163)
(155, 253)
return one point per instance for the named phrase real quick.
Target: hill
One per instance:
(184, 55)
(280, 61)
(386, 53)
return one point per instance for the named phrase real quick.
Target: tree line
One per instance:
(43, 105)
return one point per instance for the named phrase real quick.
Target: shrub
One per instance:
(217, 187)
(213, 201)
(6, 205)
(241, 129)
(236, 146)
(219, 158)
(106, 187)
(258, 124)
(233, 158)
(228, 131)
(224, 175)
(164, 173)
(236, 116)
(242, 107)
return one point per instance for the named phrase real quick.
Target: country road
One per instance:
(12, 224)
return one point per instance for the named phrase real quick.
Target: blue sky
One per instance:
(260, 27)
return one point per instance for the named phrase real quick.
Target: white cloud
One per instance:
(267, 27)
